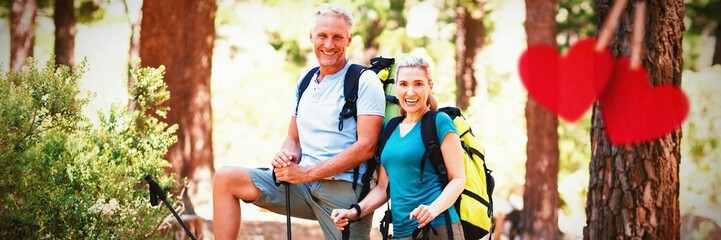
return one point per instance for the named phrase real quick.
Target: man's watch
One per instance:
(358, 209)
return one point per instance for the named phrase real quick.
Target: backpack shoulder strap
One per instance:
(429, 134)
(350, 93)
(372, 164)
(304, 85)
(386, 134)
(437, 158)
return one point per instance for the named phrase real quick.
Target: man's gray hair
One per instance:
(331, 9)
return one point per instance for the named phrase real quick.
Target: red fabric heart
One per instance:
(566, 85)
(634, 111)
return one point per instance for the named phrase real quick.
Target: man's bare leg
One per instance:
(230, 185)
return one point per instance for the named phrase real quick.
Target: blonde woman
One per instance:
(415, 204)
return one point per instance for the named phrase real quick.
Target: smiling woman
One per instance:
(414, 84)
(415, 204)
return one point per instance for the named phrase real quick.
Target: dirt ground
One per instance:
(260, 224)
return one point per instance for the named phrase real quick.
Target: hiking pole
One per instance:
(287, 208)
(287, 202)
(157, 192)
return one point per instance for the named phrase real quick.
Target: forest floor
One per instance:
(260, 224)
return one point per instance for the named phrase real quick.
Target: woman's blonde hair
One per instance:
(422, 64)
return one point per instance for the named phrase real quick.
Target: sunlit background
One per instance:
(261, 48)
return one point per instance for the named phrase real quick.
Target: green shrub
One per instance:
(67, 178)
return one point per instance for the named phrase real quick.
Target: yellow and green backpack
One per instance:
(474, 205)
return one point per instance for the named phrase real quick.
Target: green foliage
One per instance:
(704, 14)
(5, 9)
(701, 21)
(67, 178)
(373, 18)
(87, 11)
(574, 145)
(90, 11)
(575, 20)
(292, 49)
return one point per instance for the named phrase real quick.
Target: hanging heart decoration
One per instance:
(566, 85)
(634, 111)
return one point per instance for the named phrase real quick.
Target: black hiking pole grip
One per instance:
(157, 193)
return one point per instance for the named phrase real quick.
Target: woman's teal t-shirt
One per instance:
(401, 158)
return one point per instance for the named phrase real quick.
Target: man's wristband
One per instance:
(358, 209)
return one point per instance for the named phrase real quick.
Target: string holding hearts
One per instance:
(567, 85)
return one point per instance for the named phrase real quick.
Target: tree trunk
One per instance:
(180, 36)
(374, 29)
(717, 49)
(469, 40)
(64, 18)
(22, 32)
(134, 49)
(633, 191)
(539, 217)
(369, 54)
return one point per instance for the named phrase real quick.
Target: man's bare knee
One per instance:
(235, 181)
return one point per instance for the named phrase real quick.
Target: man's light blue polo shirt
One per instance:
(317, 116)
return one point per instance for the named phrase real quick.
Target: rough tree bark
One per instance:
(22, 31)
(633, 190)
(469, 40)
(64, 18)
(180, 35)
(539, 217)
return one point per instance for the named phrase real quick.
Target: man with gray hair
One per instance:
(322, 154)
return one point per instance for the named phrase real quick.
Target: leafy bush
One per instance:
(67, 178)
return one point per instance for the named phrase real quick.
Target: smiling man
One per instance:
(322, 152)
